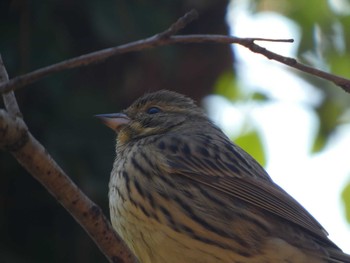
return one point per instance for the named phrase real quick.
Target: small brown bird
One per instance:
(182, 192)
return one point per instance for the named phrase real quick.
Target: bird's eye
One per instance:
(153, 110)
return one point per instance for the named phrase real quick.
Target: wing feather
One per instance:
(235, 174)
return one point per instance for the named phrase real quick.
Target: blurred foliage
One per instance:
(249, 137)
(324, 43)
(325, 35)
(329, 113)
(346, 197)
(227, 87)
(251, 143)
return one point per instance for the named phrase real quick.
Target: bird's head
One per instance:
(154, 113)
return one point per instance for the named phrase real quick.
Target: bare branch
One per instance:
(165, 38)
(337, 80)
(99, 56)
(9, 97)
(179, 24)
(15, 137)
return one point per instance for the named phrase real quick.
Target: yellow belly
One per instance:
(154, 242)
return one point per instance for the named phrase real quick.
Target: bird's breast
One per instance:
(165, 219)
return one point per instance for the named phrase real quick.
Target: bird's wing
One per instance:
(226, 170)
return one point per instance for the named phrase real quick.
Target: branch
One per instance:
(9, 97)
(337, 80)
(16, 138)
(99, 56)
(167, 38)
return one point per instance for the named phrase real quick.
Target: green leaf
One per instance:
(251, 143)
(329, 113)
(346, 199)
(258, 96)
(340, 65)
(319, 143)
(226, 86)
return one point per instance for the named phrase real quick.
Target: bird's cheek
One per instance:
(141, 130)
(124, 136)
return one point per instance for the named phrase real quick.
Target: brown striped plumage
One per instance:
(181, 191)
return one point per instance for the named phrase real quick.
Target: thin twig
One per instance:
(9, 98)
(292, 62)
(99, 56)
(162, 39)
(179, 24)
(270, 39)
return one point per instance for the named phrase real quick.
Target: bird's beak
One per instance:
(115, 121)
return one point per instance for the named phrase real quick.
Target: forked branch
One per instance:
(166, 38)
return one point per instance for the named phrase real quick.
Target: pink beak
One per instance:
(115, 121)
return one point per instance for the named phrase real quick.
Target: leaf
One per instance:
(251, 143)
(340, 65)
(258, 96)
(319, 142)
(227, 87)
(346, 199)
(329, 113)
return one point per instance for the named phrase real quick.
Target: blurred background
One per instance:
(296, 125)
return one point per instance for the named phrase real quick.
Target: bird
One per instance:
(181, 191)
